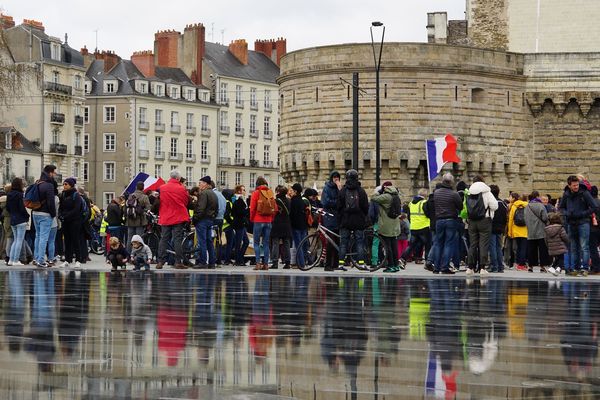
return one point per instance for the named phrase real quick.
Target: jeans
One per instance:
(18, 236)
(496, 257)
(579, 248)
(230, 237)
(297, 236)
(205, 242)
(176, 233)
(241, 244)
(262, 230)
(43, 224)
(133, 230)
(359, 244)
(479, 246)
(141, 262)
(447, 240)
(52, 243)
(434, 252)
(285, 250)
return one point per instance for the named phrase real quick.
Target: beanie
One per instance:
(206, 179)
(71, 181)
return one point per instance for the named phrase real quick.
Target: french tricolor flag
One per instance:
(439, 152)
(150, 182)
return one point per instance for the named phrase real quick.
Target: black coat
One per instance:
(16, 207)
(298, 213)
(356, 220)
(47, 188)
(578, 207)
(282, 227)
(71, 206)
(240, 213)
(114, 214)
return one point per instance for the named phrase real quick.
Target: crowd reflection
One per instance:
(78, 334)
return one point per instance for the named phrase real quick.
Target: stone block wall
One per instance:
(488, 23)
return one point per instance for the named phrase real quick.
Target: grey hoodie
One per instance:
(143, 252)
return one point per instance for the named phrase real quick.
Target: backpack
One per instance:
(84, 208)
(266, 204)
(395, 208)
(310, 220)
(134, 208)
(500, 216)
(519, 217)
(32, 197)
(352, 200)
(476, 207)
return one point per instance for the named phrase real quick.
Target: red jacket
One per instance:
(255, 216)
(174, 200)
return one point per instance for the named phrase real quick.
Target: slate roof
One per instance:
(19, 142)
(69, 56)
(259, 68)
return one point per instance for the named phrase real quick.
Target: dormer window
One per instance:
(190, 95)
(158, 90)
(143, 87)
(203, 96)
(55, 51)
(174, 92)
(88, 87)
(8, 140)
(110, 87)
(77, 82)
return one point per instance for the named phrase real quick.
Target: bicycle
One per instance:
(152, 238)
(97, 243)
(315, 253)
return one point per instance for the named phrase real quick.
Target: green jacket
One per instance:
(386, 226)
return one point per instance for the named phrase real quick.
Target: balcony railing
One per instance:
(254, 133)
(205, 132)
(253, 106)
(268, 164)
(240, 162)
(224, 130)
(253, 163)
(190, 130)
(78, 150)
(78, 120)
(58, 148)
(57, 118)
(143, 153)
(175, 156)
(268, 107)
(239, 104)
(57, 87)
(190, 157)
(175, 128)
(205, 159)
(239, 132)
(159, 127)
(224, 160)
(268, 135)
(159, 155)
(144, 125)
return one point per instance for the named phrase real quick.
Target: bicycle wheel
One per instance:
(152, 240)
(95, 246)
(188, 248)
(376, 251)
(313, 252)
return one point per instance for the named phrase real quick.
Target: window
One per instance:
(253, 101)
(158, 117)
(157, 170)
(252, 123)
(109, 87)
(173, 147)
(205, 96)
(109, 171)
(267, 99)
(158, 90)
(189, 148)
(190, 95)
(76, 167)
(205, 122)
(223, 180)
(55, 51)
(477, 95)
(267, 125)
(110, 140)
(8, 168)
(189, 120)
(157, 145)
(143, 87)
(204, 150)
(204, 171)
(77, 82)
(252, 180)
(238, 178)
(238, 150)
(77, 138)
(223, 149)
(55, 77)
(143, 142)
(8, 140)
(27, 168)
(189, 172)
(86, 143)
(87, 86)
(223, 119)
(252, 151)
(143, 115)
(174, 118)
(55, 136)
(238, 95)
(56, 107)
(86, 171)
(109, 114)
(223, 93)
(267, 153)
(174, 92)
(142, 167)
(86, 114)
(108, 198)
(238, 122)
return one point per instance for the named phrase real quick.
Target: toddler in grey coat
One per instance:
(141, 255)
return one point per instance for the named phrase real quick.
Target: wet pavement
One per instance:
(97, 335)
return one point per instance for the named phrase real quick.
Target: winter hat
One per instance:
(71, 181)
(334, 174)
(352, 174)
(297, 187)
(310, 192)
(461, 186)
(386, 184)
(137, 238)
(206, 179)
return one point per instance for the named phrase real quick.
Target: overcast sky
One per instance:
(125, 26)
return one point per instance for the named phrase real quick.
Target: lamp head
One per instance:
(376, 23)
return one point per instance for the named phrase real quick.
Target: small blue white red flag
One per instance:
(439, 152)
(150, 182)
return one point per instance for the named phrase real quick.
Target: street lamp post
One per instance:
(377, 128)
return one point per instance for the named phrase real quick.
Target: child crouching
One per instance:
(117, 254)
(141, 255)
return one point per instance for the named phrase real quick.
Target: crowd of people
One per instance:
(455, 225)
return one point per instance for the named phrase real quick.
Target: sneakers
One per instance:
(159, 265)
(391, 269)
(402, 263)
(583, 272)
(572, 273)
(470, 271)
(64, 265)
(521, 267)
(483, 271)
(428, 266)
(552, 271)
(77, 265)
(450, 272)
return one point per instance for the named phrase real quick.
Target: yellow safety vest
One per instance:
(225, 223)
(418, 219)
(103, 226)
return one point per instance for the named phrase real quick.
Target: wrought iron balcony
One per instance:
(190, 158)
(57, 87)
(225, 160)
(78, 150)
(253, 163)
(205, 159)
(239, 104)
(78, 120)
(224, 130)
(175, 156)
(159, 127)
(190, 130)
(239, 132)
(268, 135)
(205, 132)
(268, 107)
(268, 164)
(58, 148)
(57, 118)
(240, 162)
(254, 133)
(159, 155)
(254, 106)
(175, 128)
(144, 125)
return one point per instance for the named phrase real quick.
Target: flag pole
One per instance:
(428, 173)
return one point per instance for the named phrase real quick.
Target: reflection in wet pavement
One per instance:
(209, 336)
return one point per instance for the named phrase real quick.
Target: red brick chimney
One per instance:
(6, 21)
(239, 49)
(33, 24)
(197, 37)
(84, 51)
(144, 61)
(110, 59)
(274, 49)
(166, 48)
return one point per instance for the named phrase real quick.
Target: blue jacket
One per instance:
(222, 204)
(16, 208)
(329, 199)
(578, 207)
(47, 191)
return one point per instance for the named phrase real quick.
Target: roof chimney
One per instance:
(110, 59)
(33, 24)
(194, 48)
(274, 49)
(166, 48)
(239, 48)
(6, 21)
(144, 61)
